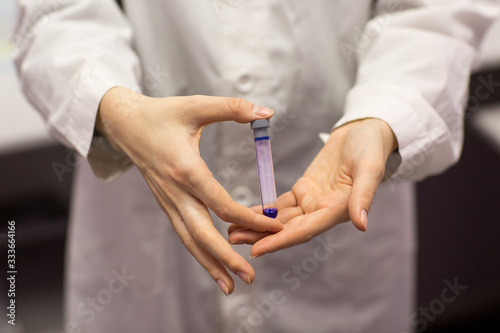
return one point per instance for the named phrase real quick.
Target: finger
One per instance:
(299, 230)
(257, 209)
(365, 182)
(284, 202)
(220, 202)
(197, 179)
(206, 260)
(284, 215)
(287, 199)
(246, 236)
(233, 227)
(211, 109)
(288, 214)
(202, 230)
(213, 266)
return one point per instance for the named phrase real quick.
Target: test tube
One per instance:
(265, 164)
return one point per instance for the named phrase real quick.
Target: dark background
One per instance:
(458, 233)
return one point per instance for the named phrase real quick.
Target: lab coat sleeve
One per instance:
(68, 54)
(414, 62)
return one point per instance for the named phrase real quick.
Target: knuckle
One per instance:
(179, 174)
(188, 244)
(298, 189)
(214, 272)
(367, 195)
(362, 194)
(236, 104)
(200, 236)
(182, 171)
(224, 213)
(230, 262)
(196, 99)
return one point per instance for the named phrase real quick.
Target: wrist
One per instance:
(389, 140)
(106, 110)
(114, 109)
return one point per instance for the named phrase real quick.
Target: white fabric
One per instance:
(318, 64)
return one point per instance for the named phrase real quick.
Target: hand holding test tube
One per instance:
(265, 164)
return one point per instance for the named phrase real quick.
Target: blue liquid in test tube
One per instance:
(265, 163)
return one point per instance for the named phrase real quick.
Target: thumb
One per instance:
(214, 109)
(364, 187)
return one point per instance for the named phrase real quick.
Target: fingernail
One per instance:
(223, 287)
(262, 111)
(244, 277)
(251, 256)
(364, 218)
(236, 242)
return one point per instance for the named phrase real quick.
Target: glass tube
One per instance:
(266, 176)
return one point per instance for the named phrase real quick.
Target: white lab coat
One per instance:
(317, 63)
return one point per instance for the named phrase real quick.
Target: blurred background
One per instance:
(459, 229)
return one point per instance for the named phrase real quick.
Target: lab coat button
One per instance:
(245, 83)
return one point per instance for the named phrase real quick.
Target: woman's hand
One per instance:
(161, 137)
(338, 186)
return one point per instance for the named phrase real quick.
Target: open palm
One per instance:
(338, 186)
